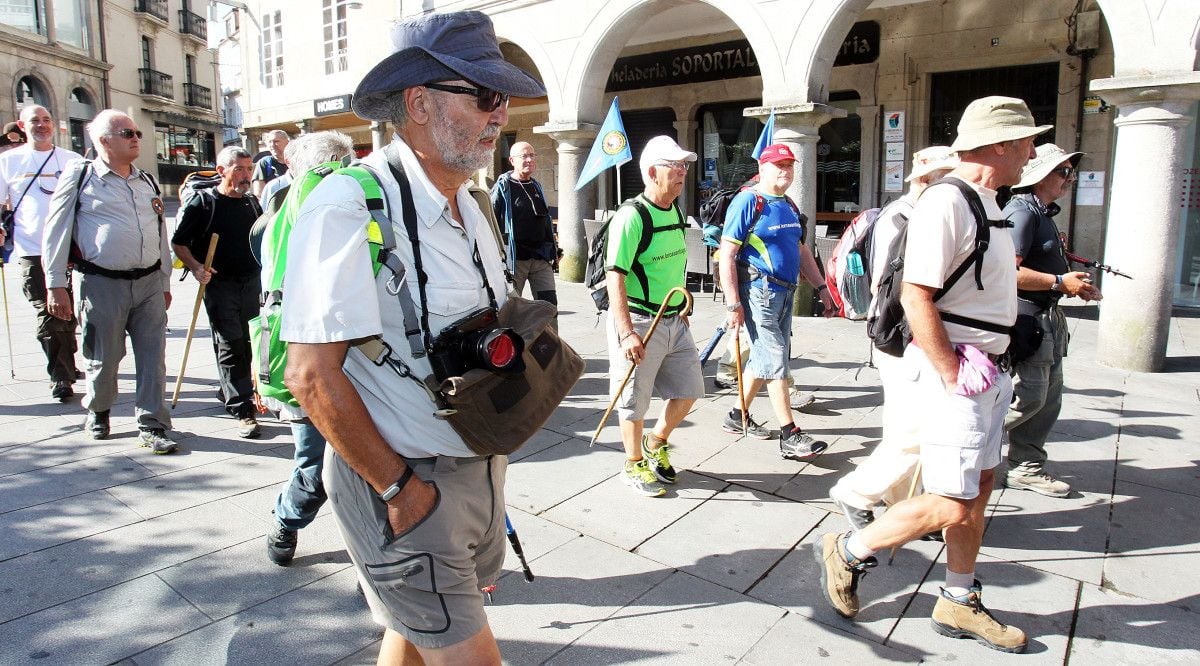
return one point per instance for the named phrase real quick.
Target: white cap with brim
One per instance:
(663, 149)
(995, 119)
(1048, 157)
(440, 47)
(933, 158)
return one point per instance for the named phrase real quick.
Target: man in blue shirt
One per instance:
(763, 256)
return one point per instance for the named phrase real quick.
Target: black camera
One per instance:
(476, 341)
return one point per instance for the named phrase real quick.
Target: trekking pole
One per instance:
(516, 546)
(737, 357)
(712, 344)
(687, 298)
(7, 326)
(1092, 263)
(187, 345)
(912, 490)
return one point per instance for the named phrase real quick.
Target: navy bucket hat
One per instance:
(441, 47)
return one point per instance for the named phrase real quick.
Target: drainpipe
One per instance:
(104, 92)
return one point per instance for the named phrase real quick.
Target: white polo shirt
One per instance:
(330, 294)
(941, 235)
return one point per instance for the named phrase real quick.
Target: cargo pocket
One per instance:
(409, 588)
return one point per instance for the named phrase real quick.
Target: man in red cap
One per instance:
(763, 256)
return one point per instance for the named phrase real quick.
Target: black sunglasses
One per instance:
(128, 133)
(486, 99)
(1064, 172)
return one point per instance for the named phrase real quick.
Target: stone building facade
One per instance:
(855, 85)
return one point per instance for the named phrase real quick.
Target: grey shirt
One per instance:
(116, 227)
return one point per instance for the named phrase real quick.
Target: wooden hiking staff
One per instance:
(687, 297)
(912, 490)
(187, 346)
(737, 357)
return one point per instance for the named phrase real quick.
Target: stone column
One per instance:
(1144, 215)
(686, 131)
(574, 142)
(796, 125)
(379, 137)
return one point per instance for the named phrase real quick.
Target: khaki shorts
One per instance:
(670, 368)
(426, 583)
(960, 436)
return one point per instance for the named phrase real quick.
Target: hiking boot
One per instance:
(156, 440)
(798, 446)
(248, 427)
(733, 424)
(97, 424)
(1037, 481)
(965, 617)
(801, 399)
(858, 518)
(61, 391)
(642, 479)
(839, 577)
(660, 461)
(281, 544)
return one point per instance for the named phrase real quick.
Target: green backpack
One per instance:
(269, 352)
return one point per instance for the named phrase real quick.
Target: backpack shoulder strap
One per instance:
(483, 199)
(982, 237)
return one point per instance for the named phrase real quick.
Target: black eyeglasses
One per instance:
(486, 99)
(1065, 172)
(127, 133)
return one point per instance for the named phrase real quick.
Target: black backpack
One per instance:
(887, 326)
(713, 211)
(594, 275)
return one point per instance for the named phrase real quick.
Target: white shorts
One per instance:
(960, 436)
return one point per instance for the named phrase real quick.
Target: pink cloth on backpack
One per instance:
(976, 372)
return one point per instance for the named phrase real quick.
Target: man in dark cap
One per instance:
(422, 515)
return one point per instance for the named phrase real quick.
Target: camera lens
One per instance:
(500, 349)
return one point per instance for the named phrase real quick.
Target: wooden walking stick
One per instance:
(737, 357)
(912, 490)
(187, 346)
(687, 297)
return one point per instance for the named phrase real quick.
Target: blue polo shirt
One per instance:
(772, 244)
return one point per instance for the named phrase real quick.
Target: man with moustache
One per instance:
(28, 175)
(422, 515)
(231, 297)
(106, 219)
(958, 334)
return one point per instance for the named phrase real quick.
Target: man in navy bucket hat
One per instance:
(421, 514)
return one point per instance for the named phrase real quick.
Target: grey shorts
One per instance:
(670, 369)
(426, 583)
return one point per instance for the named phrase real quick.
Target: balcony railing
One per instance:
(193, 24)
(155, 8)
(157, 83)
(197, 95)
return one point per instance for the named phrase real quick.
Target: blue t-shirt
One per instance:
(773, 245)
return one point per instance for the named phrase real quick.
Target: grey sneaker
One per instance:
(248, 427)
(801, 399)
(724, 382)
(97, 424)
(799, 446)
(858, 518)
(1038, 481)
(753, 428)
(156, 440)
(839, 577)
(641, 478)
(281, 544)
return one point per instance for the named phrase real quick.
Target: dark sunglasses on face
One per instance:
(1064, 172)
(128, 133)
(486, 99)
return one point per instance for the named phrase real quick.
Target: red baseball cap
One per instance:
(776, 152)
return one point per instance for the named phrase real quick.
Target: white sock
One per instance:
(857, 548)
(958, 584)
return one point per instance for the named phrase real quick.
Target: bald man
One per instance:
(521, 208)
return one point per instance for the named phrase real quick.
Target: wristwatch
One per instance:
(733, 307)
(1057, 286)
(394, 489)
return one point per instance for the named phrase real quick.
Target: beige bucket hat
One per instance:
(995, 119)
(933, 158)
(1048, 157)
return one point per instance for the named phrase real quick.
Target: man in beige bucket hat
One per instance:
(957, 417)
(1043, 277)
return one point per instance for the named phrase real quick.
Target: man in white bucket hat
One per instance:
(960, 424)
(1043, 277)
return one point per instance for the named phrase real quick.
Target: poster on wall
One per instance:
(893, 177)
(1090, 191)
(894, 152)
(893, 126)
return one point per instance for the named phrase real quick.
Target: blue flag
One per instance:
(764, 139)
(611, 148)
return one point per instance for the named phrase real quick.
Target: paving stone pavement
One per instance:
(110, 554)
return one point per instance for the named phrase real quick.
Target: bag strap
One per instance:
(33, 180)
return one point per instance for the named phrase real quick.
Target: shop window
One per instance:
(951, 92)
(727, 139)
(1187, 252)
(839, 165)
(183, 145)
